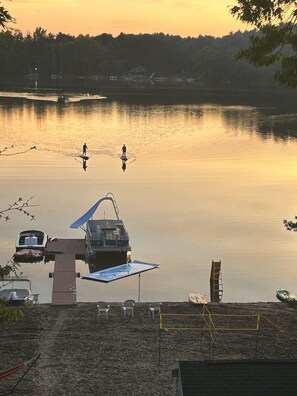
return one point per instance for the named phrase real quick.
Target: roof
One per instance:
(237, 377)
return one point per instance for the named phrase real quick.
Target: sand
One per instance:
(81, 354)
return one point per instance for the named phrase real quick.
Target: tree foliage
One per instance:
(208, 61)
(6, 311)
(5, 17)
(276, 41)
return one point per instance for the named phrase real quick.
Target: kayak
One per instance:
(286, 296)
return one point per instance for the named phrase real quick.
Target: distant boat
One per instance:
(286, 296)
(63, 99)
(197, 298)
(105, 238)
(30, 246)
(14, 292)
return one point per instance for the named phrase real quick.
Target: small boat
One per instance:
(30, 246)
(105, 238)
(63, 99)
(197, 298)
(16, 290)
(286, 296)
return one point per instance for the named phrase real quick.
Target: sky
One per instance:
(176, 17)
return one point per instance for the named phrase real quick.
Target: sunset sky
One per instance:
(93, 17)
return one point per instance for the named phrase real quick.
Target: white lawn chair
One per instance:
(154, 308)
(128, 306)
(35, 298)
(103, 308)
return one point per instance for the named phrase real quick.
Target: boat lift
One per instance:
(216, 283)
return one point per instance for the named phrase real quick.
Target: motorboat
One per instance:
(197, 298)
(16, 290)
(286, 296)
(105, 238)
(63, 99)
(30, 246)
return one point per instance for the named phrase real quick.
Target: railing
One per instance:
(108, 242)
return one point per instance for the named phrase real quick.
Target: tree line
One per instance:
(206, 61)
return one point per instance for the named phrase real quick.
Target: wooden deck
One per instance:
(75, 246)
(64, 252)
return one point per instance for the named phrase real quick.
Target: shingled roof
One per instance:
(235, 377)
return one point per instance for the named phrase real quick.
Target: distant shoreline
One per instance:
(182, 93)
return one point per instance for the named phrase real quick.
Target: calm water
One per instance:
(203, 182)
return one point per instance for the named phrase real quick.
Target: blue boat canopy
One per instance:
(120, 271)
(84, 218)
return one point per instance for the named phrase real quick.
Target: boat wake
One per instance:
(49, 97)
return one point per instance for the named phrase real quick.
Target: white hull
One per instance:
(31, 239)
(197, 298)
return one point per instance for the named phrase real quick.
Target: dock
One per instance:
(64, 252)
(216, 283)
(59, 246)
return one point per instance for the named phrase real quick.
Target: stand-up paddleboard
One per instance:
(84, 157)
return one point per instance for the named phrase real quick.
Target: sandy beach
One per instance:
(83, 354)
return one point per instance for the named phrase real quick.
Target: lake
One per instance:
(204, 181)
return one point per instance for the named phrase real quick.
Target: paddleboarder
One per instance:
(85, 149)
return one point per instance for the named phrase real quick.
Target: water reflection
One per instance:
(102, 261)
(265, 121)
(127, 160)
(84, 164)
(124, 158)
(212, 181)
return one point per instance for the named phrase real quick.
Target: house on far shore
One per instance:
(235, 377)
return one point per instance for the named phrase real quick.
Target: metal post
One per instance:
(202, 322)
(257, 336)
(139, 287)
(159, 348)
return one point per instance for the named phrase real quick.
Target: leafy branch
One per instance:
(19, 205)
(275, 41)
(5, 149)
(5, 18)
(6, 312)
(290, 225)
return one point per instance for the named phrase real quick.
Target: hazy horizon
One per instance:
(185, 18)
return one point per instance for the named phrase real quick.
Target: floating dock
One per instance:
(58, 246)
(64, 252)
